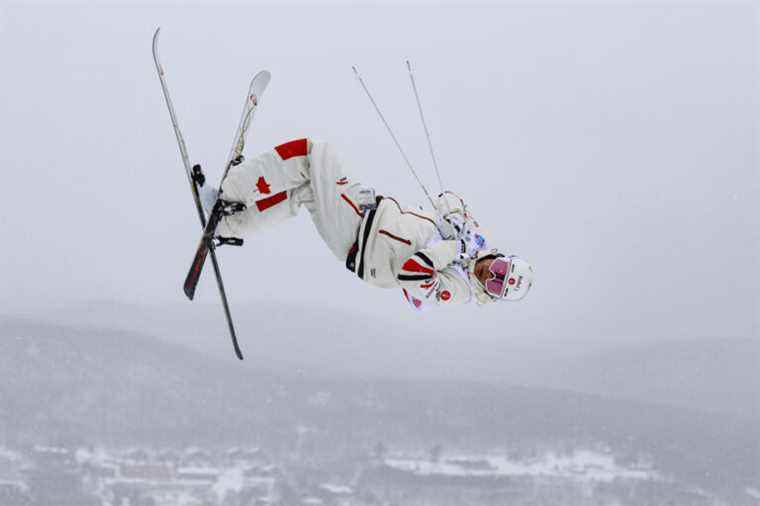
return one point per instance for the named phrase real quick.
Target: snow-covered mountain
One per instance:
(89, 385)
(719, 375)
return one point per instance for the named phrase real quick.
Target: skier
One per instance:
(435, 259)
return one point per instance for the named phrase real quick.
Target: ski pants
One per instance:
(275, 184)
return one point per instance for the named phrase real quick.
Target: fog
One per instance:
(613, 146)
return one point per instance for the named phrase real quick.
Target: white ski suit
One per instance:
(382, 243)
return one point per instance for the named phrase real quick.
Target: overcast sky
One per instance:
(613, 147)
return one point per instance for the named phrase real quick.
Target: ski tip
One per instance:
(235, 345)
(233, 335)
(155, 47)
(260, 82)
(189, 291)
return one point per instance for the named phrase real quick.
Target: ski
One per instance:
(222, 208)
(193, 175)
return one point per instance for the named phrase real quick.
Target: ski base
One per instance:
(209, 242)
(196, 179)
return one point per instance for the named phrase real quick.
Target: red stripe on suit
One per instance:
(268, 202)
(412, 265)
(298, 147)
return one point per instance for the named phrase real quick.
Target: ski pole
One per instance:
(424, 125)
(393, 136)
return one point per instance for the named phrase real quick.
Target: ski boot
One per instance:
(215, 207)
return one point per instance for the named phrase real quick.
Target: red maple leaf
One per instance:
(263, 186)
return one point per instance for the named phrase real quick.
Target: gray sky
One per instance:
(614, 147)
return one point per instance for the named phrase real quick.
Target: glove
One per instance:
(452, 226)
(472, 242)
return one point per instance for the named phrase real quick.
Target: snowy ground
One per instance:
(582, 465)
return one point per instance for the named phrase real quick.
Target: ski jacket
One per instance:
(396, 247)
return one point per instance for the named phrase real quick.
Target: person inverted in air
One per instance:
(438, 258)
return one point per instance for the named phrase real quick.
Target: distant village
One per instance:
(59, 476)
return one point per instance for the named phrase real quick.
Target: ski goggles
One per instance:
(497, 284)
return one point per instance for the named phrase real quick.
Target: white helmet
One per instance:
(520, 279)
(511, 277)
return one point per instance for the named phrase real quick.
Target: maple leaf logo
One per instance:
(263, 186)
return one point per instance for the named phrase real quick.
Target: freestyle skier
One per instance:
(436, 259)
(439, 258)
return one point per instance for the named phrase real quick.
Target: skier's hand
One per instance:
(472, 241)
(446, 229)
(452, 226)
(464, 258)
